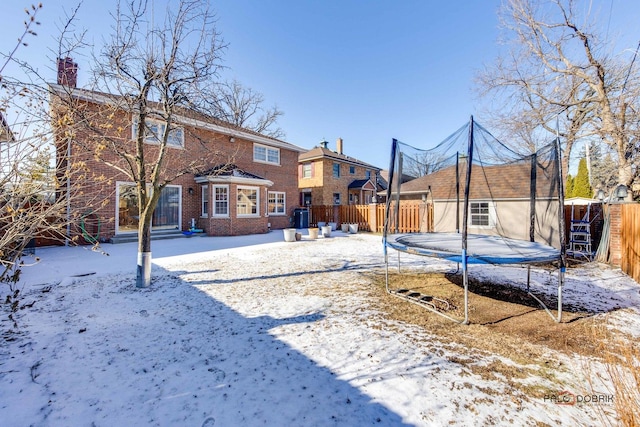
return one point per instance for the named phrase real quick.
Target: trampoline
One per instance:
(481, 249)
(481, 185)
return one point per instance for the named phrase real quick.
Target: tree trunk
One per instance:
(143, 270)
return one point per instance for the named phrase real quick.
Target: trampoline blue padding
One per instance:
(481, 249)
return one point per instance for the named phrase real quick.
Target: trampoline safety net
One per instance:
(476, 185)
(479, 201)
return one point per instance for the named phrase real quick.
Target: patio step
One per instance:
(155, 235)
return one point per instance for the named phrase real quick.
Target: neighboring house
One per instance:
(5, 136)
(254, 194)
(327, 177)
(499, 201)
(5, 131)
(382, 183)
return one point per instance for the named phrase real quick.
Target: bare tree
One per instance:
(561, 68)
(29, 208)
(423, 163)
(21, 157)
(244, 107)
(146, 81)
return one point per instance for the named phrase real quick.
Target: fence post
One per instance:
(373, 217)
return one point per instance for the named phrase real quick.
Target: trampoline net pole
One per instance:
(561, 223)
(398, 179)
(465, 220)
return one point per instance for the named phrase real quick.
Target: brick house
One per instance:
(6, 137)
(5, 131)
(253, 193)
(327, 177)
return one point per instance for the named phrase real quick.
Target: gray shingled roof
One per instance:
(229, 170)
(181, 112)
(359, 183)
(321, 152)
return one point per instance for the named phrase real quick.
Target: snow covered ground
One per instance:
(254, 331)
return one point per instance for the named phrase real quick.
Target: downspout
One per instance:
(457, 192)
(68, 195)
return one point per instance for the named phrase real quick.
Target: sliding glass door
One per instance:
(166, 216)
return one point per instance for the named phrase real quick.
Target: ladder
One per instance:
(580, 235)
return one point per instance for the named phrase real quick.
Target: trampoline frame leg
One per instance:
(558, 318)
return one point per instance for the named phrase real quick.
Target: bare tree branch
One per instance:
(559, 67)
(145, 79)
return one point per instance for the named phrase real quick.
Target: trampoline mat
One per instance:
(481, 249)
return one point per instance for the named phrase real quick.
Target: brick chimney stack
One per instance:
(67, 72)
(339, 146)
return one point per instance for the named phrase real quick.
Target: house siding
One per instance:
(513, 220)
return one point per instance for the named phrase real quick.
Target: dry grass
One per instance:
(504, 322)
(620, 375)
(503, 318)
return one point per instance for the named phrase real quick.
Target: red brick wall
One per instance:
(615, 228)
(96, 174)
(323, 184)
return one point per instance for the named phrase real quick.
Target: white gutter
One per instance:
(233, 180)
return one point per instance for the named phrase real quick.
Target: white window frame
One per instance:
(490, 214)
(156, 130)
(270, 155)
(214, 211)
(257, 203)
(307, 171)
(283, 203)
(337, 200)
(205, 203)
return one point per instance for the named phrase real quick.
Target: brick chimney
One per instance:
(67, 72)
(339, 146)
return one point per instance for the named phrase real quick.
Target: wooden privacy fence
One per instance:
(630, 240)
(323, 213)
(356, 214)
(412, 217)
(341, 214)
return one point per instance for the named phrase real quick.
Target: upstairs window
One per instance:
(306, 171)
(352, 170)
(154, 131)
(264, 154)
(336, 170)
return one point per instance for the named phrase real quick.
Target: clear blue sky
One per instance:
(365, 71)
